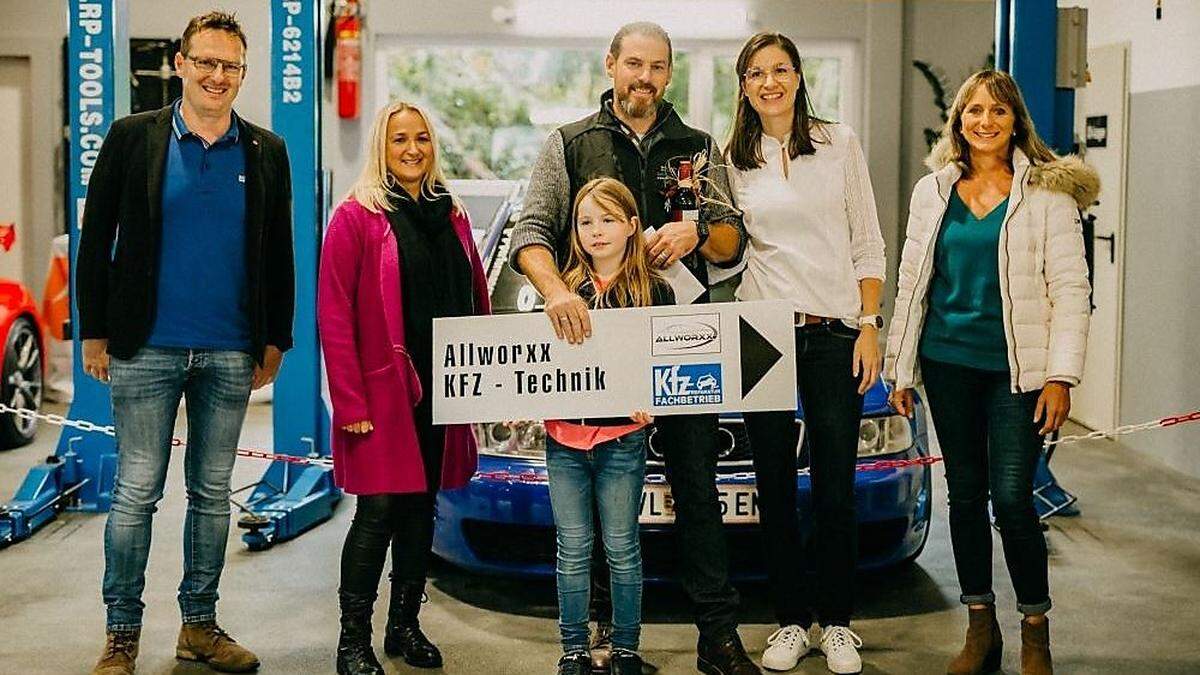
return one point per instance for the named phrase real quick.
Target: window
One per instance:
(493, 105)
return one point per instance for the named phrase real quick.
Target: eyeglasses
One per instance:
(781, 73)
(208, 66)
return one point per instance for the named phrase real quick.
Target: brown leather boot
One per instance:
(207, 643)
(1035, 648)
(983, 648)
(120, 653)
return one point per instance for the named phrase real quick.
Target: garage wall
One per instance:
(926, 24)
(1160, 349)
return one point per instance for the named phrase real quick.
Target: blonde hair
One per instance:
(631, 287)
(952, 147)
(376, 186)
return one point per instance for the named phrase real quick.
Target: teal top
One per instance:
(964, 324)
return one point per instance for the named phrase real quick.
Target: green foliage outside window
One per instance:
(493, 107)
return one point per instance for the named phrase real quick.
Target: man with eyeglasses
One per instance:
(184, 279)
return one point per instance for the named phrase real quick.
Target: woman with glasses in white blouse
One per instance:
(814, 239)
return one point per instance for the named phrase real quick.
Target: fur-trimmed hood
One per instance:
(1068, 175)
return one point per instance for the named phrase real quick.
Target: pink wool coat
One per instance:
(371, 376)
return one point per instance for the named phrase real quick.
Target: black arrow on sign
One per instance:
(758, 355)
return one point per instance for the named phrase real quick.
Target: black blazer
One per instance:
(116, 287)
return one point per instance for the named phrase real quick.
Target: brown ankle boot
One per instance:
(1035, 648)
(983, 648)
(207, 643)
(120, 653)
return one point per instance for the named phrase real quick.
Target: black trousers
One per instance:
(689, 444)
(832, 409)
(403, 522)
(990, 445)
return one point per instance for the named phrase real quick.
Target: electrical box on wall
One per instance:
(1071, 66)
(153, 83)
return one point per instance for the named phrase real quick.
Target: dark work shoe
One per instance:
(724, 657)
(625, 662)
(600, 645)
(575, 663)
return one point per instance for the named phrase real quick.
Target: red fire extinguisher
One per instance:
(348, 56)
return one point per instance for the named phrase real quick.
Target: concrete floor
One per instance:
(1124, 575)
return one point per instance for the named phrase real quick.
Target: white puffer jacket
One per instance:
(1043, 275)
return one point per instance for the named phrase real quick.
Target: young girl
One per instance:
(600, 463)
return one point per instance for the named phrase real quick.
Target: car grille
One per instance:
(494, 542)
(733, 448)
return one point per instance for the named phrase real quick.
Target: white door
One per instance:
(1105, 103)
(14, 169)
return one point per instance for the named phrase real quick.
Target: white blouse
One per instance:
(814, 233)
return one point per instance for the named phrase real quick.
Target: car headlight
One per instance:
(883, 435)
(522, 440)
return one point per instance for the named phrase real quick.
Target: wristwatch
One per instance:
(702, 232)
(870, 320)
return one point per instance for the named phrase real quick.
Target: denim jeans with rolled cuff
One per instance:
(990, 446)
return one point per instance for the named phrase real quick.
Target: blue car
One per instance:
(501, 522)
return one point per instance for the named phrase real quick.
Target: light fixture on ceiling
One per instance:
(683, 19)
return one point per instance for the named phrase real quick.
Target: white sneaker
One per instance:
(785, 648)
(840, 646)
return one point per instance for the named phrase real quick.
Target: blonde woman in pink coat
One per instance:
(398, 253)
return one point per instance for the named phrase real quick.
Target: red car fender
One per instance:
(16, 301)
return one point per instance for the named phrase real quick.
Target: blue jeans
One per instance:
(145, 395)
(990, 445)
(608, 477)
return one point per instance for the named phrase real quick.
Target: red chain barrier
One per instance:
(270, 456)
(1180, 419)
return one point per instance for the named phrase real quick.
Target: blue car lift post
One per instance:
(1027, 48)
(80, 475)
(289, 500)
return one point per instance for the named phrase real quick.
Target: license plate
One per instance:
(739, 504)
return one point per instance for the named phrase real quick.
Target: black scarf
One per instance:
(434, 271)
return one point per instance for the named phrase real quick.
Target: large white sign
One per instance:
(722, 357)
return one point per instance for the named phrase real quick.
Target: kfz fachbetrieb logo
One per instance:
(687, 384)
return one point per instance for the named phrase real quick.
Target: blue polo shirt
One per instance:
(202, 301)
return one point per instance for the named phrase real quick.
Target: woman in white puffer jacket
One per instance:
(992, 315)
